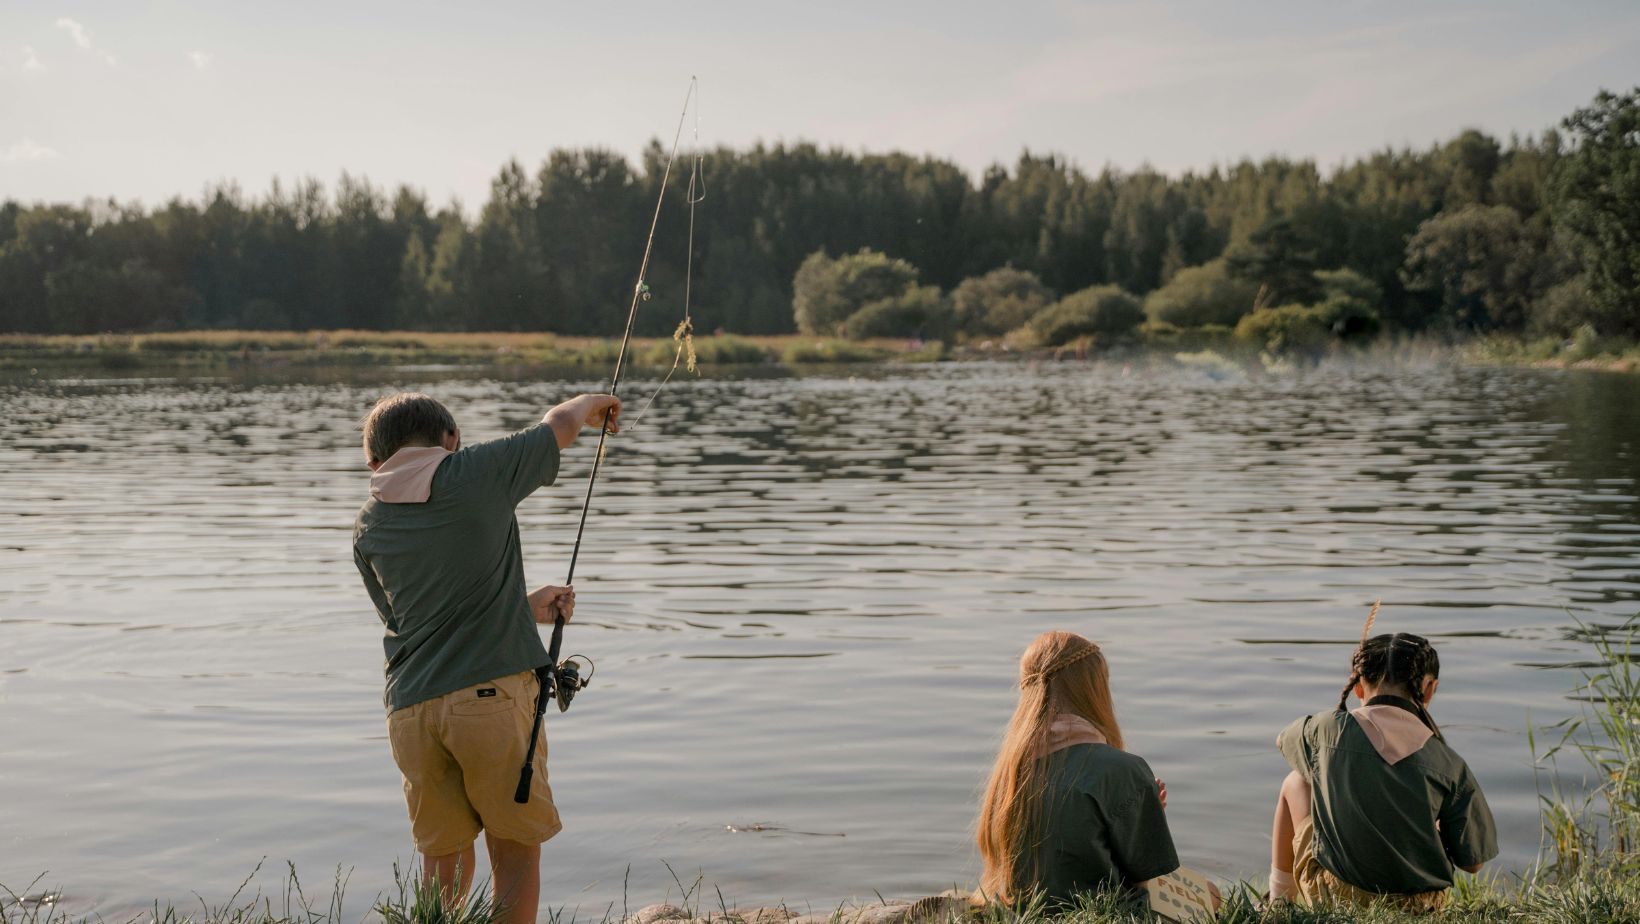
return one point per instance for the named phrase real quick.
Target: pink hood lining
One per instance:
(1068, 730)
(1395, 733)
(407, 476)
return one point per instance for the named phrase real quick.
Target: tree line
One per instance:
(1538, 234)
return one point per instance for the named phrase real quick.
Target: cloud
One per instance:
(26, 150)
(201, 59)
(31, 61)
(76, 31)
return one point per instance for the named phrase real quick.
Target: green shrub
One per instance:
(1308, 328)
(918, 312)
(825, 292)
(1348, 283)
(1201, 295)
(1100, 312)
(998, 301)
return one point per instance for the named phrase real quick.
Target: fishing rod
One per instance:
(561, 681)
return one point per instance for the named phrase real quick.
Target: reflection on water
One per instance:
(806, 597)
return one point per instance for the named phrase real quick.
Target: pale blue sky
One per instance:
(144, 100)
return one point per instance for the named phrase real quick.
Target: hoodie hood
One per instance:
(1395, 733)
(407, 476)
(1067, 730)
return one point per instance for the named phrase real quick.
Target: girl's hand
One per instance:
(1163, 787)
(549, 602)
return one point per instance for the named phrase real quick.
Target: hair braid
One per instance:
(1426, 664)
(1349, 685)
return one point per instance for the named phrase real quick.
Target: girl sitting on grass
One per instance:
(1378, 809)
(1067, 811)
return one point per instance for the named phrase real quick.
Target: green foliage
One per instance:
(1482, 263)
(1562, 308)
(1348, 283)
(1280, 258)
(556, 247)
(826, 291)
(1596, 201)
(1202, 295)
(1299, 329)
(919, 312)
(998, 301)
(1098, 311)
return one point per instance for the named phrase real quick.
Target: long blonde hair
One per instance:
(1061, 673)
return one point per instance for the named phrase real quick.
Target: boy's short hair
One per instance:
(399, 420)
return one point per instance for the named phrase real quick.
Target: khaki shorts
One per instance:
(1319, 886)
(460, 755)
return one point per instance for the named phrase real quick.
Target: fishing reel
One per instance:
(565, 680)
(560, 681)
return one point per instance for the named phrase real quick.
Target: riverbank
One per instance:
(1609, 896)
(212, 351)
(224, 349)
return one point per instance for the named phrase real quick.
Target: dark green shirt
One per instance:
(447, 575)
(1387, 828)
(1102, 824)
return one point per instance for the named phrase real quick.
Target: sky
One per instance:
(149, 99)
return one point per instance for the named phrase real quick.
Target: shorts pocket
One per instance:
(484, 699)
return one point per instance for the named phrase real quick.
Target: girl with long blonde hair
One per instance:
(1066, 810)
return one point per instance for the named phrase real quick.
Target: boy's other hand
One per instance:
(549, 602)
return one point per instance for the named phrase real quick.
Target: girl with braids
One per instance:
(1378, 809)
(1066, 809)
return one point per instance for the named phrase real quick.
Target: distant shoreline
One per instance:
(219, 350)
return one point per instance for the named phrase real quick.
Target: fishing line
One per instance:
(563, 681)
(684, 336)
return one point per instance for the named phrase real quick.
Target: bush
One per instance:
(1348, 283)
(1561, 309)
(1099, 311)
(1201, 295)
(1308, 328)
(998, 301)
(918, 312)
(825, 292)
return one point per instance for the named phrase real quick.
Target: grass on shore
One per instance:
(229, 348)
(1583, 350)
(212, 350)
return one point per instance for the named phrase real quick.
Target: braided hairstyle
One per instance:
(1400, 660)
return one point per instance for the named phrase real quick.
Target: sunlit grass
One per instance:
(228, 348)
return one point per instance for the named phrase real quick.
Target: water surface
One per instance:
(806, 596)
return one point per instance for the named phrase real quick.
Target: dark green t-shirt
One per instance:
(1102, 824)
(1388, 828)
(447, 575)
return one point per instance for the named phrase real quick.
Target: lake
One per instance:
(806, 595)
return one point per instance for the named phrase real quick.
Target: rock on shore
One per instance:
(935, 908)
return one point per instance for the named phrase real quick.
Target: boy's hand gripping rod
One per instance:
(563, 683)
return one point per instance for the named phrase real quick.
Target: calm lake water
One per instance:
(806, 596)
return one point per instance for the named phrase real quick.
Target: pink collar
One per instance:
(1395, 733)
(407, 476)
(1069, 729)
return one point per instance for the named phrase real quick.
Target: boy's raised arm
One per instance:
(567, 419)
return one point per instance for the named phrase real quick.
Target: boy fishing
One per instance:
(437, 546)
